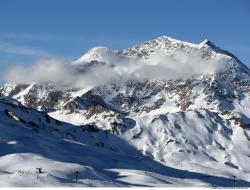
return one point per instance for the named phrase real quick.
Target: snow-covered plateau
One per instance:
(176, 114)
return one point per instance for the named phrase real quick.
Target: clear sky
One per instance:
(30, 29)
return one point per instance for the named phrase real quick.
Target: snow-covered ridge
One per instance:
(167, 52)
(170, 45)
(104, 54)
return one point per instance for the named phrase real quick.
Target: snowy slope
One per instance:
(197, 123)
(24, 149)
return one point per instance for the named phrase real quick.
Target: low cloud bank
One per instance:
(158, 66)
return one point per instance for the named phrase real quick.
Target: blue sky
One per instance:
(66, 29)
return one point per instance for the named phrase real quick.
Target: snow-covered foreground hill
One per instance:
(148, 128)
(28, 142)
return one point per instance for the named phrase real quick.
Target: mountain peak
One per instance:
(164, 37)
(207, 42)
(144, 50)
(99, 53)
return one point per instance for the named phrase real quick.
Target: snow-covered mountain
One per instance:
(190, 116)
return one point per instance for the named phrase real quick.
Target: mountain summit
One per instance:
(166, 58)
(165, 43)
(162, 45)
(100, 54)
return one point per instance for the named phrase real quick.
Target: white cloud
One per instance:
(22, 50)
(158, 66)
